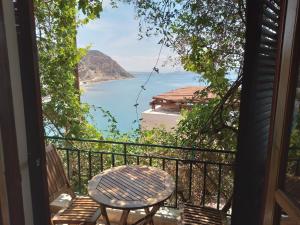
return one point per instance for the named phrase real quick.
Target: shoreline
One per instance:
(85, 84)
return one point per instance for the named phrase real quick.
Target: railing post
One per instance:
(68, 165)
(113, 159)
(176, 185)
(125, 154)
(297, 170)
(204, 184)
(90, 165)
(190, 180)
(219, 185)
(79, 170)
(101, 162)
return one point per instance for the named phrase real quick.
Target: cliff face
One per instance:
(96, 67)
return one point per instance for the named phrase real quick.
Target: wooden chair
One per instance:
(196, 215)
(81, 210)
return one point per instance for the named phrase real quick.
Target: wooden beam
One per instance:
(12, 210)
(33, 110)
(247, 178)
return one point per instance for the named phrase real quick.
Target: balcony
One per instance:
(203, 177)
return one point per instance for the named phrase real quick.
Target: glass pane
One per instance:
(292, 173)
(292, 179)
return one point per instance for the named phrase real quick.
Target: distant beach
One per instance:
(103, 80)
(86, 84)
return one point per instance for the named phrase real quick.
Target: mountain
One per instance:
(96, 67)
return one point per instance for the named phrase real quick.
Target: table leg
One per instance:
(147, 211)
(104, 215)
(123, 220)
(149, 216)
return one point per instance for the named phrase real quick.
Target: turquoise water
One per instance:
(119, 96)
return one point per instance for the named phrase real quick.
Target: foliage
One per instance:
(158, 135)
(205, 45)
(294, 151)
(295, 131)
(208, 36)
(56, 24)
(201, 32)
(211, 136)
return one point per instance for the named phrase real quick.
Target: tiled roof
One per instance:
(183, 94)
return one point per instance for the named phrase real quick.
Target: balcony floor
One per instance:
(165, 216)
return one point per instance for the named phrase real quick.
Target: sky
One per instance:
(116, 34)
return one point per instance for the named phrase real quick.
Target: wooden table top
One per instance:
(131, 187)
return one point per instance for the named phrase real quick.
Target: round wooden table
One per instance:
(129, 188)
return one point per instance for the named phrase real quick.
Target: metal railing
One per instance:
(202, 176)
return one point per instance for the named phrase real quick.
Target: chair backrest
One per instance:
(56, 176)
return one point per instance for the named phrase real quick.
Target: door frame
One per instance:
(284, 104)
(23, 178)
(10, 175)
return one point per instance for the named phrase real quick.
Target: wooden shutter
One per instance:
(263, 40)
(278, 196)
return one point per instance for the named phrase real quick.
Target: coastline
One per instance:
(86, 83)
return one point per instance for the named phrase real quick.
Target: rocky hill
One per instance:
(96, 67)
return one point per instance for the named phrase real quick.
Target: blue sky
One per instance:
(116, 34)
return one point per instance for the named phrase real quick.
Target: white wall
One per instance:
(159, 119)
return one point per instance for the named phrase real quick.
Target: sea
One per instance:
(119, 97)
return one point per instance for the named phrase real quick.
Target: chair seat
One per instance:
(61, 202)
(83, 210)
(194, 215)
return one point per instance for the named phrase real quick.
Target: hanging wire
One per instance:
(155, 69)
